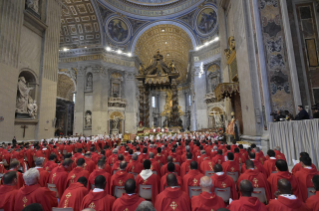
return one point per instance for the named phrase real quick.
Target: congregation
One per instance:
(200, 174)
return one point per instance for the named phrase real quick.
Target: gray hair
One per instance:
(115, 151)
(31, 176)
(135, 156)
(203, 152)
(145, 206)
(151, 155)
(39, 161)
(206, 184)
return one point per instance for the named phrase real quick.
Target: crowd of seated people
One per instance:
(162, 175)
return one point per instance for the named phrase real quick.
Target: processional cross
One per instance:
(24, 127)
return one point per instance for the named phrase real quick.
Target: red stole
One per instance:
(173, 199)
(207, 201)
(7, 195)
(225, 181)
(127, 203)
(72, 196)
(100, 201)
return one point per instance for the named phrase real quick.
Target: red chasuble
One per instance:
(185, 167)
(218, 159)
(207, 165)
(191, 179)
(163, 183)
(313, 202)
(247, 204)
(112, 159)
(119, 179)
(155, 166)
(58, 176)
(100, 201)
(173, 199)
(72, 196)
(89, 165)
(35, 194)
(7, 196)
(270, 166)
(164, 169)
(231, 166)
(135, 167)
(20, 181)
(284, 204)
(207, 202)
(274, 178)
(98, 172)
(44, 177)
(257, 179)
(49, 165)
(304, 177)
(225, 181)
(76, 173)
(298, 167)
(152, 180)
(258, 166)
(127, 203)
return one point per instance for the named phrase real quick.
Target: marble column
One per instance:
(147, 107)
(175, 113)
(97, 100)
(141, 101)
(79, 102)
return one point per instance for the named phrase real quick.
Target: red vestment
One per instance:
(44, 177)
(58, 176)
(313, 202)
(142, 157)
(127, 203)
(218, 159)
(76, 173)
(163, 183)
(119, 179)
(164, 169)
(224, 181)
(185, 167)
(304, 177)
(231, 166)
(270, 166)
(35, 194)
(72, 196)
(298, 167)
(207, 165)
(233, 147)
(49, 165)
(260, 157)
(160, 158)
(135, 167)
(244, 153)
(239, 158)
(100, 201)
(173, 199)
(116, 166)
(257, 179)
(284, 204)
(275, 177)
(7, 196)
(98, 172)
(258, 166)
(207, 201)
(2, 169)
(152, 180)
(247, 204)
(20, 181)
(89, 165)
(192, 178)
(155, 166)
(112, 159)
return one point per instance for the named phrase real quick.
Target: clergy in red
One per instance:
(172, 198)
(155, 166)
(164, 167)
(298, 166)
(50, 164)
(73, 195)
(222, 181)
(120, 177)
(129, 201)
(78, 172)
(59, 175)
(231, 166)
(97, 199)
(100, 171)
(219, 158)
(134, 166)
(192, 178)
(8, 191)
(246, 202)
(256, 178)
(116, 165)
(89, 163)
(14, 166)
(207, 200)
(305, 175)
(147, 177)
(44, 175)
(171, 170)
(32, 192)
(313, 201)
(286, 200)
(257, 164)
(269, 165)
(283, 173)
(185, 167)
(113, 158)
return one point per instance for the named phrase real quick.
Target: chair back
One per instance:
(1, 209)
(154, 172)
(53, 188)
(233, 175)
(61, 209)
(194, 191)
(224, 193)
(118, 191)
(145, 191)
(135, 174)
(311, 191)
(260, 193)
(209, 173)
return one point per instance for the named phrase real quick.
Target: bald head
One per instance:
(169, 159)
(135, 156)
(284, 186)
(206, 183)
(171, 180)
(130, 186)
(249, 164)
(151, 155)
(246, 188)
(218, 168)
(123, 165)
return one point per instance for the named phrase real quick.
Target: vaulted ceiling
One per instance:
(79, 25)
(65, 87)
(172, 42)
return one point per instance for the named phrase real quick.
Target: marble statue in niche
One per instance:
(34, 5)
(115, 90)
(115, 125)
(88, 119)
(89, 81)
(25, 104)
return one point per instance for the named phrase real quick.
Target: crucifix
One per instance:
(24, 127)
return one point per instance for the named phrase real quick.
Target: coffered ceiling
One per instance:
(172, 42)
(79, 24)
